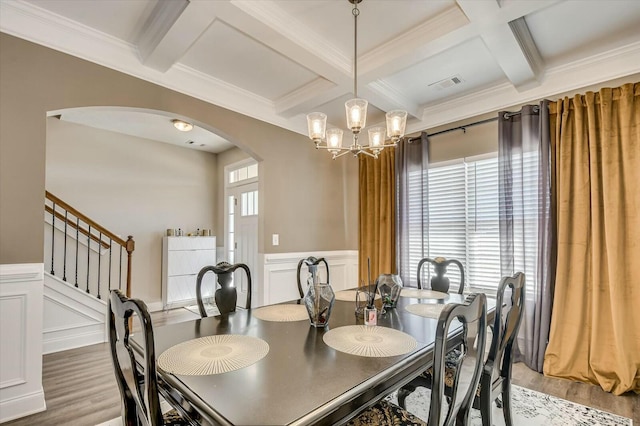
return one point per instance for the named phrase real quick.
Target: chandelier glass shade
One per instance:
(356, 112)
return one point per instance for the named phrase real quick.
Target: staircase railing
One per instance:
(76, 240)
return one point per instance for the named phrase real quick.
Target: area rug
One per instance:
(529, 408)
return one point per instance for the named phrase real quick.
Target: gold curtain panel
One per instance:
(377, 224)
(595, 326)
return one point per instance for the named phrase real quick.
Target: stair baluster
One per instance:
(95, 234)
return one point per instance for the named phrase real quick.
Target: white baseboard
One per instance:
(76, 340)
(22, 406)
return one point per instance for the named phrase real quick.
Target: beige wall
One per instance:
(295, 180)
(132, 186)
(475, 140)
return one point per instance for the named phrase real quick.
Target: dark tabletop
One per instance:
(301, 380)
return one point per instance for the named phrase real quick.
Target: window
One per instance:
(243, 173)
(464, 219)
(231, 251)
(249, 203)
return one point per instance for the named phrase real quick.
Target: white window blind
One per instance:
(483, 232)
(447, 218)
(463, 219)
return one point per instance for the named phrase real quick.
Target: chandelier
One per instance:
(356, 109)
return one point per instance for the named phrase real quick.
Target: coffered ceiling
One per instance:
(277, 60)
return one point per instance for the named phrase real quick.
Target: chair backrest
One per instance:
(506, 324)
(226, 296)
(312, 264)
(465, 381)
(439, 282)
(139, 390)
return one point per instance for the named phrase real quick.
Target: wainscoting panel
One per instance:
(21, 295)
(72, 318)
(279, 273)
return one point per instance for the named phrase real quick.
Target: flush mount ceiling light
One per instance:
(356, 109)
(183, 126)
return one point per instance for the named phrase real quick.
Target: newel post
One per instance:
(131, 245)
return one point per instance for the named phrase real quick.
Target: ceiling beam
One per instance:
(304, 99)
(509, 42)
(446, 30)
(171, 30)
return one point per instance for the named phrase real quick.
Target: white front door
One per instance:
(242, 235)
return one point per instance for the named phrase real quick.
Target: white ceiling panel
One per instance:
(122, 19)
(379, 20)
(470, 61)
(227, 54)
(573, 29)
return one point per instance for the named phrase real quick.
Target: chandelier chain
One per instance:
(355, 13)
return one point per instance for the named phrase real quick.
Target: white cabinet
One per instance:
(182, 259)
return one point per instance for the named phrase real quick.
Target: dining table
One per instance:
(295, 377)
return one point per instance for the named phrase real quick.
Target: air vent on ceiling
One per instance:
(447, 82)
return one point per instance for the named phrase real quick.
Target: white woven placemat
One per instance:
(423, 294)
(282, 313)
(428, 310)
(213, 355)
(350, 295)
(369, 341)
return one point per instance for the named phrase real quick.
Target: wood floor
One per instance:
(80, 388)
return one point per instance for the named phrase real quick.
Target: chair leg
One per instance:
(485, 407)
(506, 403)
(403, 393)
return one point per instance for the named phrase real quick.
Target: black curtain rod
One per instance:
(488, 120)
(507, 115)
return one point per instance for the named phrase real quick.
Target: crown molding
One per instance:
(613, 64)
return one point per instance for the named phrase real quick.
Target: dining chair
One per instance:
(226, 297)
(495, 379)
(464, 381)
(138, 383)
(312, 264)
(439, 282)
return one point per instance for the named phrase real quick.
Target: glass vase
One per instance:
(389, 286)
(319, 302)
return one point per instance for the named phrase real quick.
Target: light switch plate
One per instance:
(275, 239)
